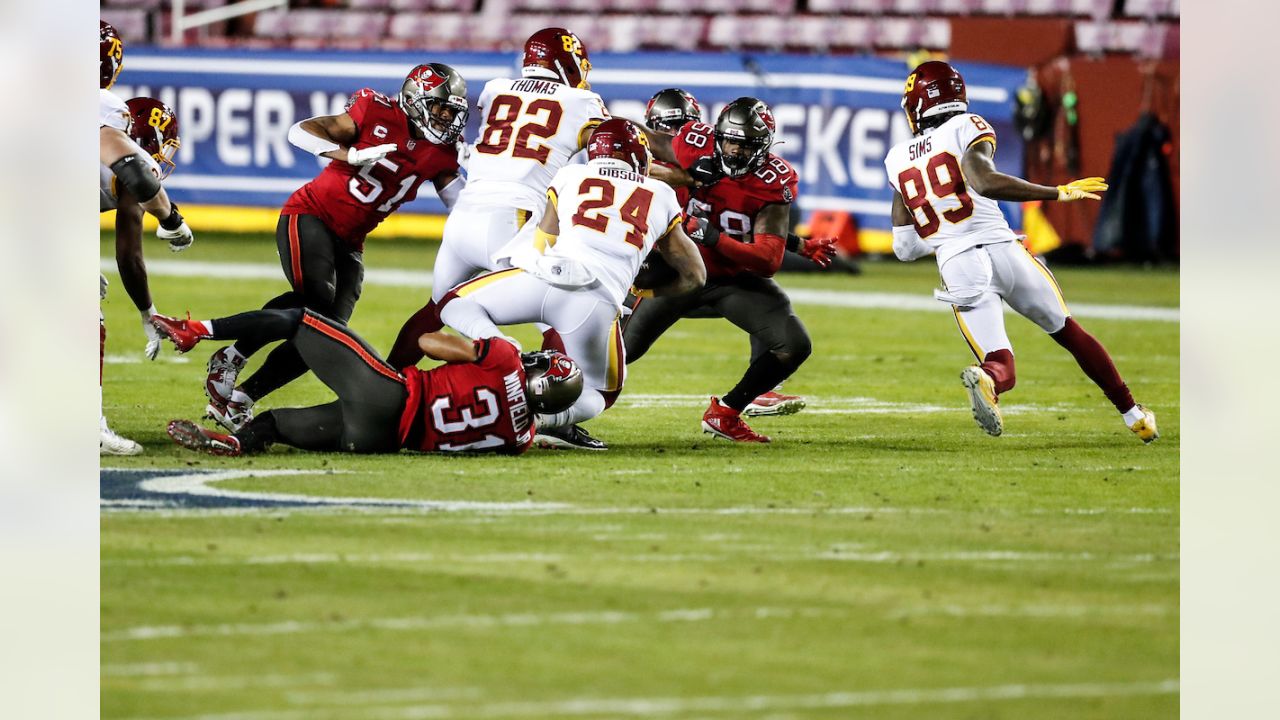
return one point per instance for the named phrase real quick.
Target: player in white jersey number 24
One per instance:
(944, 203)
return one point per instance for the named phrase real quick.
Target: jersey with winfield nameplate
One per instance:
(469, 407)
(529, 129)
(352, 201)
(610, 218)
(732, 203)
(947, 215)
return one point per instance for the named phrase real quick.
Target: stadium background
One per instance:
(1059, 79)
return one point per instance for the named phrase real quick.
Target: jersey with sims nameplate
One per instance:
(475, 406)
(529, 129)
(610, 218)
(948, 215)
(352, 201)
(732, 203)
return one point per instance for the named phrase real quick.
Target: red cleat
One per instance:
(192, 436)
(774, 403)
(184, 333)
(725, 422)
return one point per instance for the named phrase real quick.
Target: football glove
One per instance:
(153, 337)
(706, 171)
(695, 226)
(369, 155)
(1081, 189)
(820, 251)
(174, 229)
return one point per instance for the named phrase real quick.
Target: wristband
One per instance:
(174, 221)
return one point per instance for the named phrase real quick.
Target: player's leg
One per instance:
(1037, 297)
(592, 337)
(109, 443)
(773, 401)
(972, 289)
(651, 317)
(507, 297)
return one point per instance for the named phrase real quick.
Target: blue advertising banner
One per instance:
(837, 116)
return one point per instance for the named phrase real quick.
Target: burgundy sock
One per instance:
(1095, 362)
(999, 365)
(405, 352)
(551, 340)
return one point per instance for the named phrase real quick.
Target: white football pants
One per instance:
(586, 319)
(976, 280)
(473, 234)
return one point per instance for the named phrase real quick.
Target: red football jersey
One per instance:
(732, 204)
(351, 200)
(469, 406)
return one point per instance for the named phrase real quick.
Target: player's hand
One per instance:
(706, 171)
(102, 286)
(153, 339)
(174, 229)
(695, 226)
(1081, 189)
(820, 251)
(369, 155)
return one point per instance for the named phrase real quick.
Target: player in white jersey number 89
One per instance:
(944, 202)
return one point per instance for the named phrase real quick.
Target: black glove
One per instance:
(175, 219)
(706, 171)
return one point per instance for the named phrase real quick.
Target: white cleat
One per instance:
(223, 371)
(1145, 428)
(233, 415)
(982, 396)
(110, 443)
(774, 403)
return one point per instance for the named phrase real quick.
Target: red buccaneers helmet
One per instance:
(621, 139)
(748, 122)
(154, 126)
(934, 88)
(435, 85)
(553, 381)
(110, 55)
(556, 54)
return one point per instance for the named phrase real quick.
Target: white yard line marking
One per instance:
(210, 683)
(800, 296)
(150, 669)
(1031, 611)
(138, 359)
(732, 704)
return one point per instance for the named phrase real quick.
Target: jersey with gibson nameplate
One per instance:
(610, 218)
(947, 214)
(732, 203)
(352, 201)
(529, 129)
(469, 407)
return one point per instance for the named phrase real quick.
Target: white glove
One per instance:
(102, 286)
(179, 239)
(153, 338)
(369, 155)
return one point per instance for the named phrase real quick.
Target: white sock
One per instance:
(146, 314)
(1133, 415)
(208, 326)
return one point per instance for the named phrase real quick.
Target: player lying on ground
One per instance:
(483, 398)
(947, 207)
(600, 221)
(383, 150)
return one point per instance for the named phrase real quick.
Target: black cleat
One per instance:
(572, 437)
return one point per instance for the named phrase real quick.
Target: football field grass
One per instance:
(882, 558)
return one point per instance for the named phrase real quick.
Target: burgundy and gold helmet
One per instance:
(933, 88)
(154, 126)
(110, 55)
(552, 379)
(556, 54)
(621, 139)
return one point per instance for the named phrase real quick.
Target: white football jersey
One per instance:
(529, 129)
(948, 215)
(112, 112)
(610, 218)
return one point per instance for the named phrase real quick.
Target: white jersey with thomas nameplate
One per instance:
(610, 217)
(948, 215)
(529, 129)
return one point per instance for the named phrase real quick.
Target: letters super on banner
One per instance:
(837, 117)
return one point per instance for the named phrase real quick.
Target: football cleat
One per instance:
(982, 396)
(223, 371)
(725, 422)
(570, 437)
(774, 403)
(191, 436)
(184, 333)
(110, 443)
(230, 415)
(1145, 428)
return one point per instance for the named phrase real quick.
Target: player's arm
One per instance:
(449, 186)
(118, 152)
(764, 256)
(683, 257)
(907, 245)
(332, 136)
(133, 270)
(980, 172)
(448, 348)
(659, 145)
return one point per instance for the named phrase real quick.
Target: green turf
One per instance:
(881, 543)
